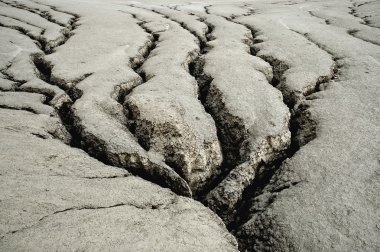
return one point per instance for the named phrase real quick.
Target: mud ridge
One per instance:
(44, 14)
(137, 62)
(229, 149)
(301, 124)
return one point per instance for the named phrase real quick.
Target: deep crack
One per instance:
(301, 124)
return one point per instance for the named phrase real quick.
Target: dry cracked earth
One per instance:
(189, 126)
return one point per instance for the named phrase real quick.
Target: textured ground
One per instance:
(189, 126)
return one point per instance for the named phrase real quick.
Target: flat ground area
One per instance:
(173, 125)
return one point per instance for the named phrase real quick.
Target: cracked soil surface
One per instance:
(250, 125)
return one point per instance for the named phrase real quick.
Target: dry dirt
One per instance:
(189, 126)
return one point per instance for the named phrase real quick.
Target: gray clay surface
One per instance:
(250, 125)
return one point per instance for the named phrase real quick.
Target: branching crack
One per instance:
(82, 208)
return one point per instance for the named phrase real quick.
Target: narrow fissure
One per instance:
(136, 65)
